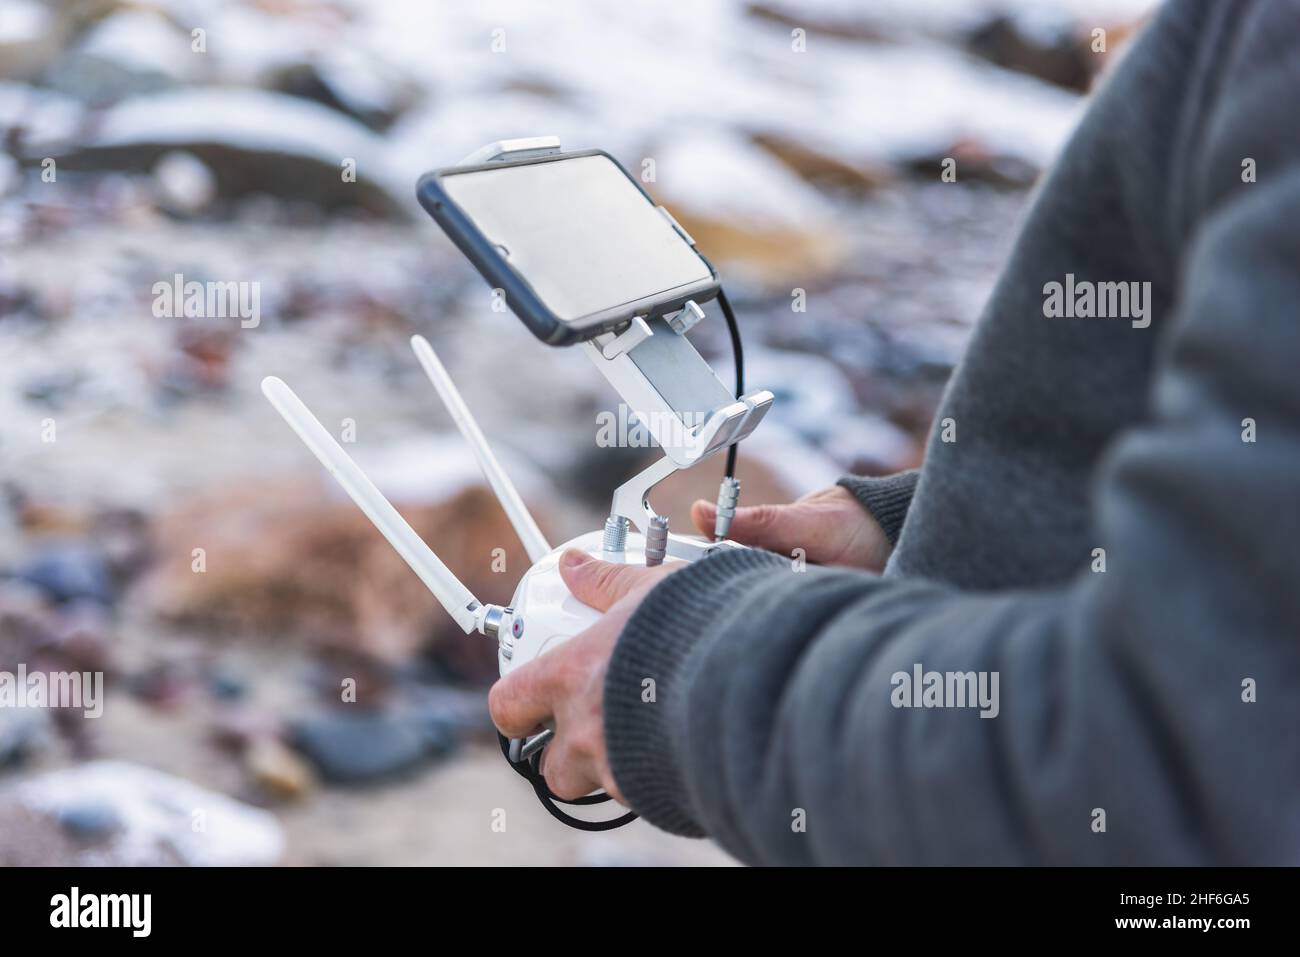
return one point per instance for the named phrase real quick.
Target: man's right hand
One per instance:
(829, 525)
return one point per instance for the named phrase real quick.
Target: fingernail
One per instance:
(572, 558)
(705, 504)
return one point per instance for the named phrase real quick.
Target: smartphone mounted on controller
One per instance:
(572, 240)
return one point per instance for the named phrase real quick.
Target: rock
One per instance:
(821, 168)
(359, 747)
(977, 162)
(447, 707)
(828, 23)
(89, 821)
(69, 571)
(445, 716)
(291, 559)
(360, 87)
(350, 677)
(442, 735)
(19, 302)
(277, 771)
(23, 735)
(185, 184)
(160, 819)
(1055, 52)
(201, 362)
(44, 518)
(226, 686)
(55, 389)
(254, 142)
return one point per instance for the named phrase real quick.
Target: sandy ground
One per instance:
(468, 810)
(446, 816)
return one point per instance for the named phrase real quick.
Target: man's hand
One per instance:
(567, 683)
(830, 526)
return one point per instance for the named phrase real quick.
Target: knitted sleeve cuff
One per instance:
(886, 498)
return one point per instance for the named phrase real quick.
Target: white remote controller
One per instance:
(543, 612)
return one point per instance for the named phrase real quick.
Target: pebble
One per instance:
(363, 747)
(90, 821)
(69, 571)
(22, 735)
(278, 771)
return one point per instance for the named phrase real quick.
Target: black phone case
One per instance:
(520, 296)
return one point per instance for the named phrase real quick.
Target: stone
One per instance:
(184, 183)
(1054, 52)
(68, 571)
(89, 821)
(226, 686)
(298, 563)
(277, 770)
(160, 819)
(360, 747)
(821, 167)
(253, 142)
(23, 734)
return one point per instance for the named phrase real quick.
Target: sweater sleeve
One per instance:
(886, 498)
(1144, 713)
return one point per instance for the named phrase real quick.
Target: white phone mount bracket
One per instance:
(660, 376)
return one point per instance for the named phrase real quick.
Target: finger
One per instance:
(778, 528)
(703, 515)
(521, 701)
(566, 773)
(572, 767)
(596, 583)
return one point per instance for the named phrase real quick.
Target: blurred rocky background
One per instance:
(160, 524)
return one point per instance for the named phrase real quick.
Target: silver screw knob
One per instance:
(656, 541)
(615, 539)
(728, 495)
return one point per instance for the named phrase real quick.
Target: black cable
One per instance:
(530, 771)
(738, 355)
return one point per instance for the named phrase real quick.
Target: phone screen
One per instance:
(579, 232)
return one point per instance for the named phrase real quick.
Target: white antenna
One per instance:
(437, 577)
(534, 541)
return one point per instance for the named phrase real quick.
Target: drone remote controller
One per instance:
(543, 613)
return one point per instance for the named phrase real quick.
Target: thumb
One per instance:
(596, 583)
(777, 528)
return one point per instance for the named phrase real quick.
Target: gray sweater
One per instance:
(1148, 705)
